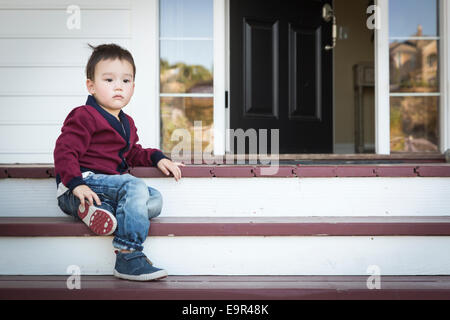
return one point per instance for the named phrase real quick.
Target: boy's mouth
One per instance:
(118, 97)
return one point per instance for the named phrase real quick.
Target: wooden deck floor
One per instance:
(227, 288)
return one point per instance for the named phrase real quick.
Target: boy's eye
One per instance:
(109, 80)
(126, 80)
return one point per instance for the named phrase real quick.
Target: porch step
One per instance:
(226, 288)
(244, 226)
(243, 192)
(238, 246)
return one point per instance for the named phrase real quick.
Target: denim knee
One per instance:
(134, 188)
(154, 203)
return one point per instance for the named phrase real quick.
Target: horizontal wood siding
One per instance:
(43, 68)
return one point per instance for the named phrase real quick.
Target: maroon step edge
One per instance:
(241, 171)
(323, 226)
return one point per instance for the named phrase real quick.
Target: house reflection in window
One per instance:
(415, 97)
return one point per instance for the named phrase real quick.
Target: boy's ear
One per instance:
(90, 86)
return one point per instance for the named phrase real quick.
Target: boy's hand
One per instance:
(167, 166)
(83, 191)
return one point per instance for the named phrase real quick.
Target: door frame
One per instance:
(145, 22)
(444, 50)
(382, 109)
(382, 97)
(226, 33)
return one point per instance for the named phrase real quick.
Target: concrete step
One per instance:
(226, 288)
(238, 246)
(243, 191)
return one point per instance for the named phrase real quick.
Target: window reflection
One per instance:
(414, 66)
(414, 75)
(186, 70)
(180, 113)
(414, 124)
(186, 67)
(186, 18)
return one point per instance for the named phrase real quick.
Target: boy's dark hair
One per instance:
(106, 52)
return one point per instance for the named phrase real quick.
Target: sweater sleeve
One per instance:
(72, 143)
(145, 157)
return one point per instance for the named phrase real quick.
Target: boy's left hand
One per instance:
(168, 166)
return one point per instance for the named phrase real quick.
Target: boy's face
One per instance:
(113, 86)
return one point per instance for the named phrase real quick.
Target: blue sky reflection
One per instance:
(187, 19)
(406, 15)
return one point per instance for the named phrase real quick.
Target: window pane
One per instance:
(186, 66)
(414, 124)
(414, 66)
(180, 113)
(413, 18)
(186, 18)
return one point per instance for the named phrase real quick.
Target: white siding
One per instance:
(42, 66)
(264, 197)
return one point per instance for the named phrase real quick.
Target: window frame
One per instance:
(382, 91)
(146, 49)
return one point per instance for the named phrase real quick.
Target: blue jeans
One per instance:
(128, 198)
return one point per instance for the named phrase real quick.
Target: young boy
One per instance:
(98, 143)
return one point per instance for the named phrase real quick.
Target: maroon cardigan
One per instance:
(92, 139)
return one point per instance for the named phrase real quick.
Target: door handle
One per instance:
(328, 15)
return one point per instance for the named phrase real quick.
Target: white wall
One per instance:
(42, 66)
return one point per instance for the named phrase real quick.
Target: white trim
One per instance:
(186, 39)
(415, 38)
(219, 76)
(187, 95)
(382, 111)
(58, 36)
(415, 94)
(144, 106)
(157, 98)
(444, 52)
(227, 75)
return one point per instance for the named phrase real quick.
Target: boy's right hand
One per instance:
(83, 192)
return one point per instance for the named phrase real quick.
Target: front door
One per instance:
(281, 74)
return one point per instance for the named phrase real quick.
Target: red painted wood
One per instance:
(43, 227)
(395, 171)
(288, 226)
(146, 172)
(355, 171)
(227, 288)
(433, 171)
(234, 171)
(203, 171)
(28, 172)
(51, 172)
(380, 170)
(316, 171)
(282, 172)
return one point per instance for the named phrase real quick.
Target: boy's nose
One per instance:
(118, 85)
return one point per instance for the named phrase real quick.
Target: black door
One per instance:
(280, 73)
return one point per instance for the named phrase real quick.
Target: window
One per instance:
(414, 73)
(186, 71)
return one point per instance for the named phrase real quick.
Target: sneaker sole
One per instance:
(142, 277)
(101, 222)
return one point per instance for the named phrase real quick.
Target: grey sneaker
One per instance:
(136, 266)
